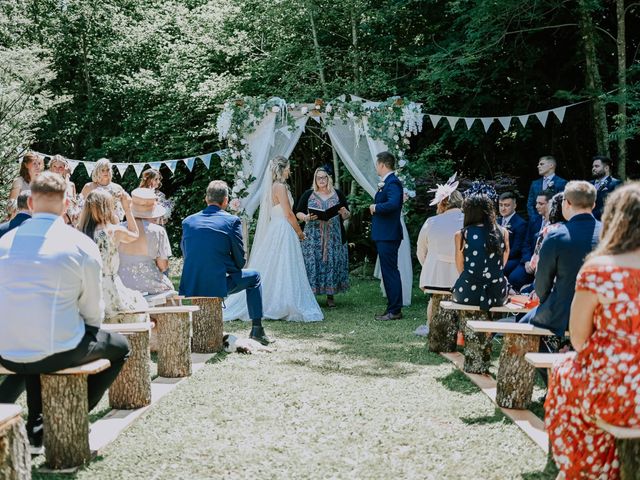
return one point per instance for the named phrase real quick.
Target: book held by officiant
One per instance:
(327, 214)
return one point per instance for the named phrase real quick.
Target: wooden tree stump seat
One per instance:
(628, 446)
(443, 324)
(15, 460)
(207, 325)
(547, 360)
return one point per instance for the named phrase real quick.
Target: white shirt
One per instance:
(386, 175)
(546, 180)
(50, 287)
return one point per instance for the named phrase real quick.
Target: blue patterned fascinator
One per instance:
(478, 187)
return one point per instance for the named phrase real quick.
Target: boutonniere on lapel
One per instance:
(380, 185)
(550, 185)
(508, 227)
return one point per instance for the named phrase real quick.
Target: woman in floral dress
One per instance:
(603, 380)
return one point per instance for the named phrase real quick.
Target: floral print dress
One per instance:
(602, 381)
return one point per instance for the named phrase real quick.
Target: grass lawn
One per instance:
(345, 398)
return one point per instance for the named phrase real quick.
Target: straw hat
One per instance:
(144, 204)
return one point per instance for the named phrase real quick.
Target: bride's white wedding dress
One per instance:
(286, 293)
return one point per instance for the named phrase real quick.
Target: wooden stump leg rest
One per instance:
(477, 346)
(629, 456)
(516, 375)
(15, 460)
(207, 325)
(132, 387)
(174, 344)
(443, 327)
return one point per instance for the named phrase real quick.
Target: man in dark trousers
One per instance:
(386, 232)
(23, 213)
(603, 181)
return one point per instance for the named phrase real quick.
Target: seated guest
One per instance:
(40, 335)
(515, 225)
(31, 166)
(60, 165)
(143, 260)
(549, 181)
(555, 220)
(603, 181)
(23, 212)
(152, 178)
(523, 274)
(102, 177)
(98, 221)
(600, 382)
(482, 250)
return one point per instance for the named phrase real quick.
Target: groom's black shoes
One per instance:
(257, 334)
(389, 316)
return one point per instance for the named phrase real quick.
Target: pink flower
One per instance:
(235, 204)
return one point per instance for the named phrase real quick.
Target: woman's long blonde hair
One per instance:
(620, 219)
(102, 164)
(99, 209)
(148, 176)
(314, 185)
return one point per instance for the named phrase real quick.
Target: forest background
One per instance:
(143, 81)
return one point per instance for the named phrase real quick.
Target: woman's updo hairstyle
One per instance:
(278, 165)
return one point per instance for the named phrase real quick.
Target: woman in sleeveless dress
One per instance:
(102, 179)
(31, 166)
(277, 255)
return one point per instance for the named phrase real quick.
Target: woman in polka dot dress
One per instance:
(483, 250)
(603, 380)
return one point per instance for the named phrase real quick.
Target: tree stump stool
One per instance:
(173, 325)
(207, 325)
(15, 460)
(628, 448)
(515, 375)
(443, 325)
(477, 346)
(132, 388)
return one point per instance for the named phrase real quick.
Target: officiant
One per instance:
(323, 208)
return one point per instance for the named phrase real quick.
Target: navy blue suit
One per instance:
(608, 186)
(557, 185)
(517, 228)
(386, 231)
(519, 276)
(561, 256)
(213, 259)
(15, 222)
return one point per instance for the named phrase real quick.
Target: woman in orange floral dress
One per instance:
(603, 380)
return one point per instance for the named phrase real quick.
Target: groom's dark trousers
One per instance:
(388, 252)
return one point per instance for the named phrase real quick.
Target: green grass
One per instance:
(349, 397)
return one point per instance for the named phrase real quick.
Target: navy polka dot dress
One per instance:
(482, 281)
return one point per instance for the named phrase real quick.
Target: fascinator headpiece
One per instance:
(443, 191)
(478, 187)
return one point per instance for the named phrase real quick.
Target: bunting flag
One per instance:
(435, 119)
(206, 159)
(90, 166)
(138, 168)
(469, 122)
(172, 164)
(190, 162)
(542, 116)
(486, 122)
(523, 119)
(121, 167)
(559, 113)
(505, 121)
(452, 122)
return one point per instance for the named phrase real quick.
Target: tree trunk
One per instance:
(592, 76)
(15, 459)
(132, 388)
(515, 375)
(622, 94)
(174, 344)
(443, 326)
(629, 455)
(316, 48)
(477, 345)
(207, 325)
(66, 420)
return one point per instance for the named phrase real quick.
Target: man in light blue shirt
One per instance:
(51, 303)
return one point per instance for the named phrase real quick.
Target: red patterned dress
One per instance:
(602, 381)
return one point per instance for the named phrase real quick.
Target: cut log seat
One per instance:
(15, 460)
(207, 324)
(547, 360)
(173, 324)
(628, 447)
(443, 324)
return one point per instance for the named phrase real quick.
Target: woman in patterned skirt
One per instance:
(603, 380)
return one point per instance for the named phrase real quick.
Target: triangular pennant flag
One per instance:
(90, 166)
(171, 164)
(435, 119)
(138, 168)
(72, 165)
(542, 116)
(505, 121)
(486, 122)
(121, 167)
(452, 121)
(523, 119)
(206, 159)
(559, 113)
(190, 162)
(469, 122)
(155, 165)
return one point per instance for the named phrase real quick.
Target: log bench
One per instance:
(207, 324)
(515, 375)
(65, 410)
(173, 325)
(628, 447)
(443, 324)
(547, 360)
(477, 345)
(15, 460)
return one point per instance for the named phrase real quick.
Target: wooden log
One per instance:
(174, 343)
(132, 388)
(516, 375)
(15, 460)
(629, 456)
(207, 325)
(66, 420)
(477, 346)
(443, 326)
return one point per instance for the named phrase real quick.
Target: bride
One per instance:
(277, 255)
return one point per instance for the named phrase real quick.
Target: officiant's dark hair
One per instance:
(387, 159)
(217, 191)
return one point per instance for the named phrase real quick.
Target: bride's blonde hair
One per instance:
(278, 165)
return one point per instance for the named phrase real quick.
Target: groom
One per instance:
(214, 256)
(386, 232)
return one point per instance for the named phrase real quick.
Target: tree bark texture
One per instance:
(66, 420)
(477, 345)
(207, 325)
(622, 94)
(443, 327)
(174, 344)
(515, 375)
(629, 455)
(132, 387)
(15, 459)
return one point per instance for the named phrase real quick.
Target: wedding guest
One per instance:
(482, 250)
(143, 261)
(152, 178)
(601, 382)
(326, 257)
(555, 219)
(603, 181)
(102, 177)
(60, 165)
(40, 334)
(515, 225)
(23, 212)
(99, 222)
(12, 209)
(549, 181)
(31, 166)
